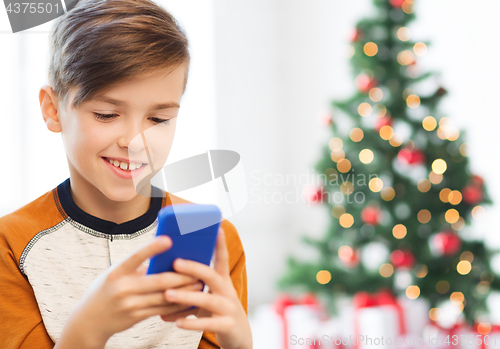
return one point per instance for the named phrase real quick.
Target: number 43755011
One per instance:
(470, 339)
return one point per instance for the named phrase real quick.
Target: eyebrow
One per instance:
(123, 103)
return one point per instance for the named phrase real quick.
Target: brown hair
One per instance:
(100, 43)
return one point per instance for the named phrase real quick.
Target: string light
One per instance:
(386, 132)
(346, 220)
(435, 178)
(404, 34)
(344, 165)
(464, 267)
(399, 231)
(439, 166)
(444, 194)
(406, 57)
(412, 292)
(424, 216)
(463, 149)
(338, 210)
(335, 143)
(356, 134)
(364, 109)
(366, 156)
(346, 188)
(376, 94)
(387, 193)
(477, 212)
(413, 101)
(467, 256)
(454, 197)
(386, 270)
(459, 225)
(407, 7)
(346, 253)
(434, 314)
(375, 184)
(337, 155)
(370, 49)
(424, 185)
(396, 140)
(483, 328)
(323, 277)
(421, 271)
(429, 123)
(451, 216)
(420, 49)
(442, 286)
(457, 297)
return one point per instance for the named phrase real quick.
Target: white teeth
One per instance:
(124, 166)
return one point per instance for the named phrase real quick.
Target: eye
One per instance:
(160, 121)
(104, 116)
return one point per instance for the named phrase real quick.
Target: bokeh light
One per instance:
(424, 216)
(464, 267)
(344, 165)
(404, 34)
(406, 57)
(412, 292)
(346, 220)
(366, 156)
(451, 215)
(335, 143)
(365, 109)
(387, 193)
(370, 49)
(399, 231)
(429, 123)
(386, 270)
(386, 132)
(439, 166)
(424, 185)
(356, 134)
(375, 184)
(420, 49)
(323, 277)
(413, 101)
(442, 286)
(376, 94)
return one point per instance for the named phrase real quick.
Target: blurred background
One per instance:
(262, 77)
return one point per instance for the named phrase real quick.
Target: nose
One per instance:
(131, 136)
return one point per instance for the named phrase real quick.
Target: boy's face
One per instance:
(139, 114)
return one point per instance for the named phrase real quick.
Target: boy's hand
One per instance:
(123, 296)
(220, 309)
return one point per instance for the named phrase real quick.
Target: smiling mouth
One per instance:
(124, 165)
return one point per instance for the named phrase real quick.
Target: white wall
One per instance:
(280, 63)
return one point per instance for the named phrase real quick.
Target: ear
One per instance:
(49, 106)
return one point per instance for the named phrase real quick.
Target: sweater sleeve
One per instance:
(237, 266)
(21, 325)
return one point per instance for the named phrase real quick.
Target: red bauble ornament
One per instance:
(314, 195)
(402, 259)
(385, 120)
(370, 215)
(397, 3)
(365, 83)
(477, 180)
(356, 35)
(472, 194)
(447, 243)
(411, 156)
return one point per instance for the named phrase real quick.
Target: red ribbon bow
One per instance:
(285, 301)
(383, 297)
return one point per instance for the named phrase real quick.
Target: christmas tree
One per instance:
(397, 183)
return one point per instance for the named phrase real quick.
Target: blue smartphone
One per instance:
(193, 229)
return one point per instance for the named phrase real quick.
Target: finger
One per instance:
(202, 272)
(221, 264)
(161, 282)
(211, 302)
(212, 324)
(166, 311)
(142, 269)
(132, 262)
(179, 314)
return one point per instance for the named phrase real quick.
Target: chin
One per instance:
(121, 194)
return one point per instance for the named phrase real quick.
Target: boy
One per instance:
(73, 261)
